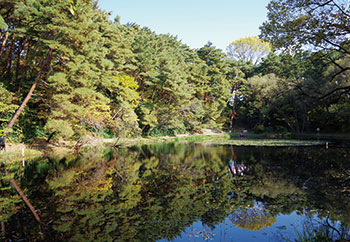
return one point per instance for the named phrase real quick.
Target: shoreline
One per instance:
(14, 151)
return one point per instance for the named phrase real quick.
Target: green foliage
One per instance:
(297, 23)
(93, 74)
(3, 24)
(61, 126)
(8, 206)
(63, 181)
(293, 25)
(7, 107)
(213, 91)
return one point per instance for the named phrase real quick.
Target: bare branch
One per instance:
(341, 10)
(337, 45)
(346, 89)
(320, 5)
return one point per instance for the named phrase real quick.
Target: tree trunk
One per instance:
(25, 199)
(23, 68)
(16, 82)
(4, 41)
(44, 66)
(233, 115)
(3, 233)
(8, 59)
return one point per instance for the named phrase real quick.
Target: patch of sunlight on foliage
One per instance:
(63, 127)
(62, 181)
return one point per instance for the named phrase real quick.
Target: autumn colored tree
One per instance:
(251, 49)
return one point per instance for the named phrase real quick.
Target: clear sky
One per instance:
(194, 22)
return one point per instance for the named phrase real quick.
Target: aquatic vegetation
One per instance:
(321, 230)
(264, 142)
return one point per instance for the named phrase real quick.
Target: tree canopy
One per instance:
(68, 71)
(323, 24)
(251, 49)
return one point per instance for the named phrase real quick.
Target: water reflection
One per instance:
(158, 192)
(252, 218)
(235, 167)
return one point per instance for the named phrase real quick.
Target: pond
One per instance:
(180, 192)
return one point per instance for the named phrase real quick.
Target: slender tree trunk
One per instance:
(233, 115)
(25, 199)
(24, 65)
(3, 233)
(297, 126)
(143, 128)
(44, 66)
(20, 49)
(9, 57)
(4, 41)
(154, 93)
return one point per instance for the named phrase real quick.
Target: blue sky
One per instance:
(194, 22)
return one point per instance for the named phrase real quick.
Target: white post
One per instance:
(23, 157)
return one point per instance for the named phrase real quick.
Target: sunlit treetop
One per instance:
(251, 49)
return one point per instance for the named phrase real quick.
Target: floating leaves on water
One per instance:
(264, 142)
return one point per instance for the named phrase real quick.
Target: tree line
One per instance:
(67, 70)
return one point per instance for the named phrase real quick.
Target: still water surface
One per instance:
(180, 192)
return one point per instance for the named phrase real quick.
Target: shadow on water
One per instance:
(160, 192)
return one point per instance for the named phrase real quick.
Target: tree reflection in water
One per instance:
(252, 218)
(155, 192)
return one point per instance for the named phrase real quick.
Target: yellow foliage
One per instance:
(127, 89)
(249, 49)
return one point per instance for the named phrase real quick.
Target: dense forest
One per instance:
(68, 71)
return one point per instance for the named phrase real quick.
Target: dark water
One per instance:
(181, 192)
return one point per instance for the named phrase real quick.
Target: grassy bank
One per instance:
(158, 140)
(14, 151)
